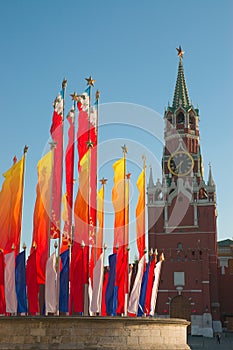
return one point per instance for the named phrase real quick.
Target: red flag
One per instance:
(2, 293)
(32, 285)
(76, 278)
(56, 131)
(105, 283)
(69, 160)
(149, 286)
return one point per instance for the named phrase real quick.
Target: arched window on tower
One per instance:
(180, 118)
(192, 121)
(169, 122)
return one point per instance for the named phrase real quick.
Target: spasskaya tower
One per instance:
(182, 219)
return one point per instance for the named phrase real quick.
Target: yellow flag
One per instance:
(11, 200)
(140, 214)
(81, 206)
(41, 215)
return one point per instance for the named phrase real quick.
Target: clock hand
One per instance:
(179, 165)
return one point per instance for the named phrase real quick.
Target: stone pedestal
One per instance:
(93, 333)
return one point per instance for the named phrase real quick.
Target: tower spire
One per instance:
(181, 92)
(210, 179)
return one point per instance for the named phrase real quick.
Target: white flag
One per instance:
(98, 276)
(9, 280)
(155, 287)
(135, 293)
(51, 285)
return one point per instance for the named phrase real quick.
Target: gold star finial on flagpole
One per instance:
(103, 181)
(97, 95)
(74, 96)
(64, 83)
(90, 81)
(124, 149)
(180, 52)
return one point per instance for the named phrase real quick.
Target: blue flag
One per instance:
(64, 282)
(109, 296)
(20, 282)
(142, 297)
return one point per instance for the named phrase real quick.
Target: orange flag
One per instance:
(41, 216)
(11, 200)
(140, 215)
(118, 201)
(119, 196)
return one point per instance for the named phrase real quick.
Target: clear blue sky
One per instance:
(129, 48)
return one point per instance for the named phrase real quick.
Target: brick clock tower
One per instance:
(182, 220)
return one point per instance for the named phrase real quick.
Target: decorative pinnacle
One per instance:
(97, 95)
(103, 181)
(124, 149)
(180, 52)
(90, 81)
(64, 83)
(74, 96)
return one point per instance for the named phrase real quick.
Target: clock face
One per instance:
(180, 163)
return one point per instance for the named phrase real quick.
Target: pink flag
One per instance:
(135, 293)
(9, 280)
(155, 287)
(98, 275)
(51, 285)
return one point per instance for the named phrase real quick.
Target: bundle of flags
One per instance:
(73, 279)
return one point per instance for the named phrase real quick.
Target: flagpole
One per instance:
(74, 99)
(52, 147)
(24, 165)
(90, 83)
(125, 252)
(127, 243)
(144, 197)
(97, 96)
(64, 84)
